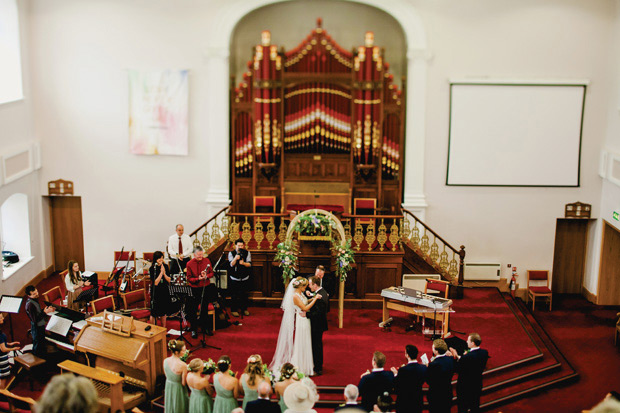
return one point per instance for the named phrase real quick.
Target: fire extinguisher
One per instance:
(513, 281)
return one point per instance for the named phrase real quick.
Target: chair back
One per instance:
(266, 205)
(364, 206)
(437, 285)
(103, 303)
(538, 276)
(133, 297)
(54, 295)
(17, 403)
(127, 258)
(148, 256)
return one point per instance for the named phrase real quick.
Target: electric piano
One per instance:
(411, 301)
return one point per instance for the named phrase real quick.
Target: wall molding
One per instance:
(19, 162)
(609, 162)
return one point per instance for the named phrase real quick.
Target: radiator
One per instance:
(482, 271)
(418, 281)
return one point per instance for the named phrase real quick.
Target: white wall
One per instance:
(16, 133)
(84, 48)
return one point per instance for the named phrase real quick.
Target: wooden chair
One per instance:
(264, 204)
(54, 296)
(137, 298)
(617, 330)
(103, 303)
(365, 206)
(534, 291)
(27, 363)
(14, 403)
(439, 288)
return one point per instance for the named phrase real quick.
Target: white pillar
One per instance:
(415, 135)
(218, 195)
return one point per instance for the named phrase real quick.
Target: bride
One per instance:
(297, 350)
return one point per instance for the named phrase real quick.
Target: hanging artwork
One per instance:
(158, 107)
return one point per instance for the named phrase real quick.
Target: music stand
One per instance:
(114, 275)
(10, 304)
(182, 292)
(87, 295)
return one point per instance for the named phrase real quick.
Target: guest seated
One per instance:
(376, 382)
(439, 378)
(175, 369)
(252, 376)
(469, 368)
(37, 320)
(263, 404)
(408, 382)
(5, 348)
(226, 387)
(384, 403)
(201, 398)
(300, 398)
(288, 376)
(68, 393)
(351, 394)
(74, 284)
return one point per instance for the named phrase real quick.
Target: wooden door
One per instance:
(569, 257)
(67, 234)
(609, 273)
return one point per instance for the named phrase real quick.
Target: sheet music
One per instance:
(80, 324)
(59, 325)
(87, 274)
(174, 332)
(424, 359)
(10, 304)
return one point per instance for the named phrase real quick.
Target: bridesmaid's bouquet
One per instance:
(209, 367)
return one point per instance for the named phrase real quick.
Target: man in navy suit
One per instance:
(318, 322)
(408, 382)
(373, 384)
(439, 378)
(469, 368)
(263, 405)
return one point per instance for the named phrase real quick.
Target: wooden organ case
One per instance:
(136, 359)
(317, 122)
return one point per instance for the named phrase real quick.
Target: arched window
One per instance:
(16, 230)
(11, 67)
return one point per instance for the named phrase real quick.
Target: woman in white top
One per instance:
(74, 284)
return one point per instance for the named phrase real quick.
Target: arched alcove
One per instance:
(15, 219)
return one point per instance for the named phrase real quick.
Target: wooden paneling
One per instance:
(377, 271)
(609, 275)
(569, 257)
(243, 195)
(320, 168)
(67, 233)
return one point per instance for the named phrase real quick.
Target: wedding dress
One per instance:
(294, 340)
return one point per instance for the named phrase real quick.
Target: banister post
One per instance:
(461, 272)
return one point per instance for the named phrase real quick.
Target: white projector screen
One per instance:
(515, 134)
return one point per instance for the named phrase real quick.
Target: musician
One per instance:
(240, 261)
(179, 250)
(74, 284)
(161, 305)
(37, 320)
(199, 272)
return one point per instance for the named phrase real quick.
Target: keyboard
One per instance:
(409, 295)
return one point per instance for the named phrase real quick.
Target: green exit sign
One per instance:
(616, 215)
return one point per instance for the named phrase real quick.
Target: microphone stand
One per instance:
(203, 340)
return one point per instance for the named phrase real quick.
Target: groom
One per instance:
(318, 322)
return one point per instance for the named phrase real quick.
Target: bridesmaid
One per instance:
(200, 400)
(160, 292)
(175, 396)
(288, 376)
(74, 284)
(225, 387)
(250, 379)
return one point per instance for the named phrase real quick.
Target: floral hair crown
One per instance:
(254, 359)
(223, 361)
(296, 282)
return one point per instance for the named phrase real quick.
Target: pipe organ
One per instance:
(313, 115)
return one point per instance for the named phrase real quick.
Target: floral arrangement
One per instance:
(314, 225)
(209, 367)
(267, 373)
(344, 259)
(295, 374)
(287, 259)
(185, 356)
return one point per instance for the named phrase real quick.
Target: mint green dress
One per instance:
(224, 399)
(249, 395)
(282, 404)
(200, 401)
(175, 394)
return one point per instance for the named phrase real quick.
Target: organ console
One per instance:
(124, 369)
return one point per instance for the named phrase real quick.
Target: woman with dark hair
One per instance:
(175, 369)
(288, 376)
(225, 385)
(74, 284)
(250, 379)
(160, 292)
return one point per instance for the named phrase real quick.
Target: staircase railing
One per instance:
(429, 244)
(210, 233)
(373, 232)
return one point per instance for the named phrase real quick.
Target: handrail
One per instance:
(256, 214)
(372, 216)
(432, 232)
(209, 220)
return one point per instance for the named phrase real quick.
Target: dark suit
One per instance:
(374, 385)
(318, 325)
(262, 406)
(408, 388)
(352, 407)
(439, 379)
(469, 384)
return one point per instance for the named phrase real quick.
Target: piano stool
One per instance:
(27, 362)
